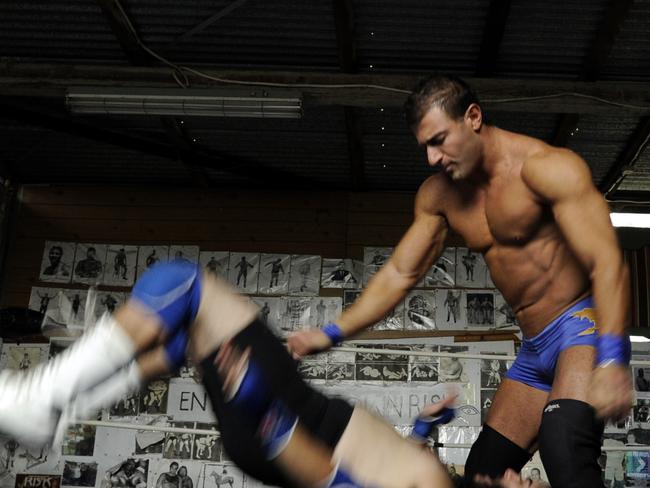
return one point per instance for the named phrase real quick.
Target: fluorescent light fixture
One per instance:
(641, 220)
(214, 102)
(636, 338)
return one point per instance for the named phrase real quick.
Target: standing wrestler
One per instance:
(533, 212)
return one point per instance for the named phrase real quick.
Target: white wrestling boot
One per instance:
(31, 401)
(87, 404)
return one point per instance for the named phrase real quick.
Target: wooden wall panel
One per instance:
(330, 224)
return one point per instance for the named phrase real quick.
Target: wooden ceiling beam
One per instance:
(495, 26)
(503, 95)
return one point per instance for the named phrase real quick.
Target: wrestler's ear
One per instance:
(474, 117)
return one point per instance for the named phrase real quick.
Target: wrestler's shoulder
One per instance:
(433, 192)
(552, 168)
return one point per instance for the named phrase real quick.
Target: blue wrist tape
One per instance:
(334, 333)
(424, 425)
(613, 349)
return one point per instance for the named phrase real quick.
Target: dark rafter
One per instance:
(613, 18)
(637, 143)
(206, 23)
(600, 48)
(495, 26)
(348, 62)
(202, 157)
(566, 125)
(124, 34)
(184, 150)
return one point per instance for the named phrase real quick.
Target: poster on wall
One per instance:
(179, 445)
(150, 255)
(38, 480)
(21, 357)
(77, 473)
(274, 274)
(420, 313)
(479, 309)
(129, 473)
(504, 317)
(57, 262)
(221, 474)
(341, 273)
(75, 318)
(79, 440)
(121, 264)
(443, 273)
(215, 262)
(304, 279)
(153, 398)
(90, 260)
(450, 309)
(244, 271)
(45, 300)
(393, 320)
(294, 313)
(471, 270)
(188, 254)
(270, 313)
(207, 447)
(108, 302)
(323, 310)
(373, 259)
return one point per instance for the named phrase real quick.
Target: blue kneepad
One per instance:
(172, 291)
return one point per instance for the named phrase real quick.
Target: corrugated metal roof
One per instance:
(548, 39)
(541, 40)
(422, 36)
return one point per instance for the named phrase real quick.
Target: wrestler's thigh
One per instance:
(222, 314)
(516, 412)
(573, 372)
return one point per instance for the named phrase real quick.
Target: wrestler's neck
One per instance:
(498, 149)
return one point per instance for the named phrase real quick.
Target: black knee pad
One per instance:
(492, 454)
(569, 444)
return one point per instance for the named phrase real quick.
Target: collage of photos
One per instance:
(456, 293)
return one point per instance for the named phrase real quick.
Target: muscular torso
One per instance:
(529, 260)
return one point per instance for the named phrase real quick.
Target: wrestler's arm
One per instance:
(563, 180)
(416, 252)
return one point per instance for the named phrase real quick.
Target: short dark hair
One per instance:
(448, 92)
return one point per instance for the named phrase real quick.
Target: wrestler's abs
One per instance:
(529, 260)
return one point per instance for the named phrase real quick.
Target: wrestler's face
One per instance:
(55, 255)
(453, 145)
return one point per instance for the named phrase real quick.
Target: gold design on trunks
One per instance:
(587, 314)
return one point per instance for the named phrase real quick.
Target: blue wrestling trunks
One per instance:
(537, 358)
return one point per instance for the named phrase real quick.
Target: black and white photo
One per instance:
(341, 273)
(150, 255)
(77, 473)
(183, 253)
(443, 272)
(90, 261)
(215, 262)
(420, 311)
(57, 262)
(153, 398)
(304, 279)
(275, 270)
(121, 262)
(480, 308)
(79, 440)
(130, 473)
(244, 271)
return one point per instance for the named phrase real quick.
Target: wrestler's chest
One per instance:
(508, 218)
